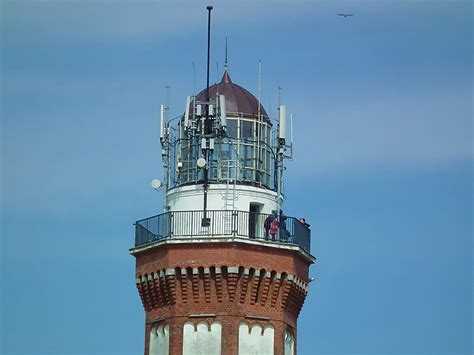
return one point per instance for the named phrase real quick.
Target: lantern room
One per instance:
(242, 143)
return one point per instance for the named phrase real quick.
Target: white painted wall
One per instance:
(202, 341)
(289, 344)
(188, 198)
(160, 340)
(255, 341)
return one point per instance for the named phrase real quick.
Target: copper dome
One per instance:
(238, 100)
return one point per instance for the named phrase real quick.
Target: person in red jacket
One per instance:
(274, 228)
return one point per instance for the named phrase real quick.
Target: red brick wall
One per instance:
(216, 254)
(270, 283)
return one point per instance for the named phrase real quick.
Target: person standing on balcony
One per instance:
(268, 223)
(303, 222)
(274, 228)
(283, 231)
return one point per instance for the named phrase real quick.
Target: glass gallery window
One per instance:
(244, 155)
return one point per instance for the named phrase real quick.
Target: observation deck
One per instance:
(223, 223)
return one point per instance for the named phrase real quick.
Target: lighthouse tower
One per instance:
(222, 270)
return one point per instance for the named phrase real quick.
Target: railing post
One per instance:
(148, 239)
(171, 223)
(213, 221)
(136, 233)
(234, 222)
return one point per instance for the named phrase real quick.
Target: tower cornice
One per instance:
(235, 240)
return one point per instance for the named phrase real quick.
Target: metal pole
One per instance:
(259, 126)
(209, 8)
(225, 64)
(205, 221)
(259, 86)
(165, 149)
(279, 173)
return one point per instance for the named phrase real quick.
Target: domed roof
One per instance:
(237, 99)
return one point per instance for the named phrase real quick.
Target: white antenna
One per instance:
(162, 121)
(163, 110)
(223, 110)
(186, 115)
(282, 125)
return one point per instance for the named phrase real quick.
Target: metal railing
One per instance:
(287, 230)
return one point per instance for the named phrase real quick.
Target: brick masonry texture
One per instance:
(226, 282)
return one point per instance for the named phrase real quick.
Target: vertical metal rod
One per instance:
(205, 221)
(280, 151)
(209, 8)
(165, 148)
(225, 63)
(194, 80)
(259, 85)
(279, 173)
(259, 121)
(167, 97)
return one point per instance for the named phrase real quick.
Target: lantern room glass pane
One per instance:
(245, 155)
(246, 130)
(212, 175)
(232, 128)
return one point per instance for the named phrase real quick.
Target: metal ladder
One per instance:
(229, 195)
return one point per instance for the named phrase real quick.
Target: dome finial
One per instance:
(226, 65)
(226, 77)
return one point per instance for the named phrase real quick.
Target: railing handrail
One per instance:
(144, 219)
(253, 225)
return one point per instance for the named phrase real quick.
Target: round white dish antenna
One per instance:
(156, 184)
(201, 163)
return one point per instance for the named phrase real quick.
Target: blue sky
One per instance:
(382, 106)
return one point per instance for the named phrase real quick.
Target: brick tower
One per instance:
(222, 270)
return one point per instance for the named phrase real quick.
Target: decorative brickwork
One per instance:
(286, 291)
(229, 283)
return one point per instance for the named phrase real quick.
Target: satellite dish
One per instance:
(201, 163)
(156, 184)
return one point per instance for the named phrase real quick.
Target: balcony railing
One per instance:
(222, 223)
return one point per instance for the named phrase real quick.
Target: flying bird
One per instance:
(345, 15)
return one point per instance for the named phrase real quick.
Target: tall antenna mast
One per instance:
(205, 222)
(259, 85)
(258, 115)
(226, 64)
(164, 138)
(194, 79)
(209, 8)
(167, 97)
